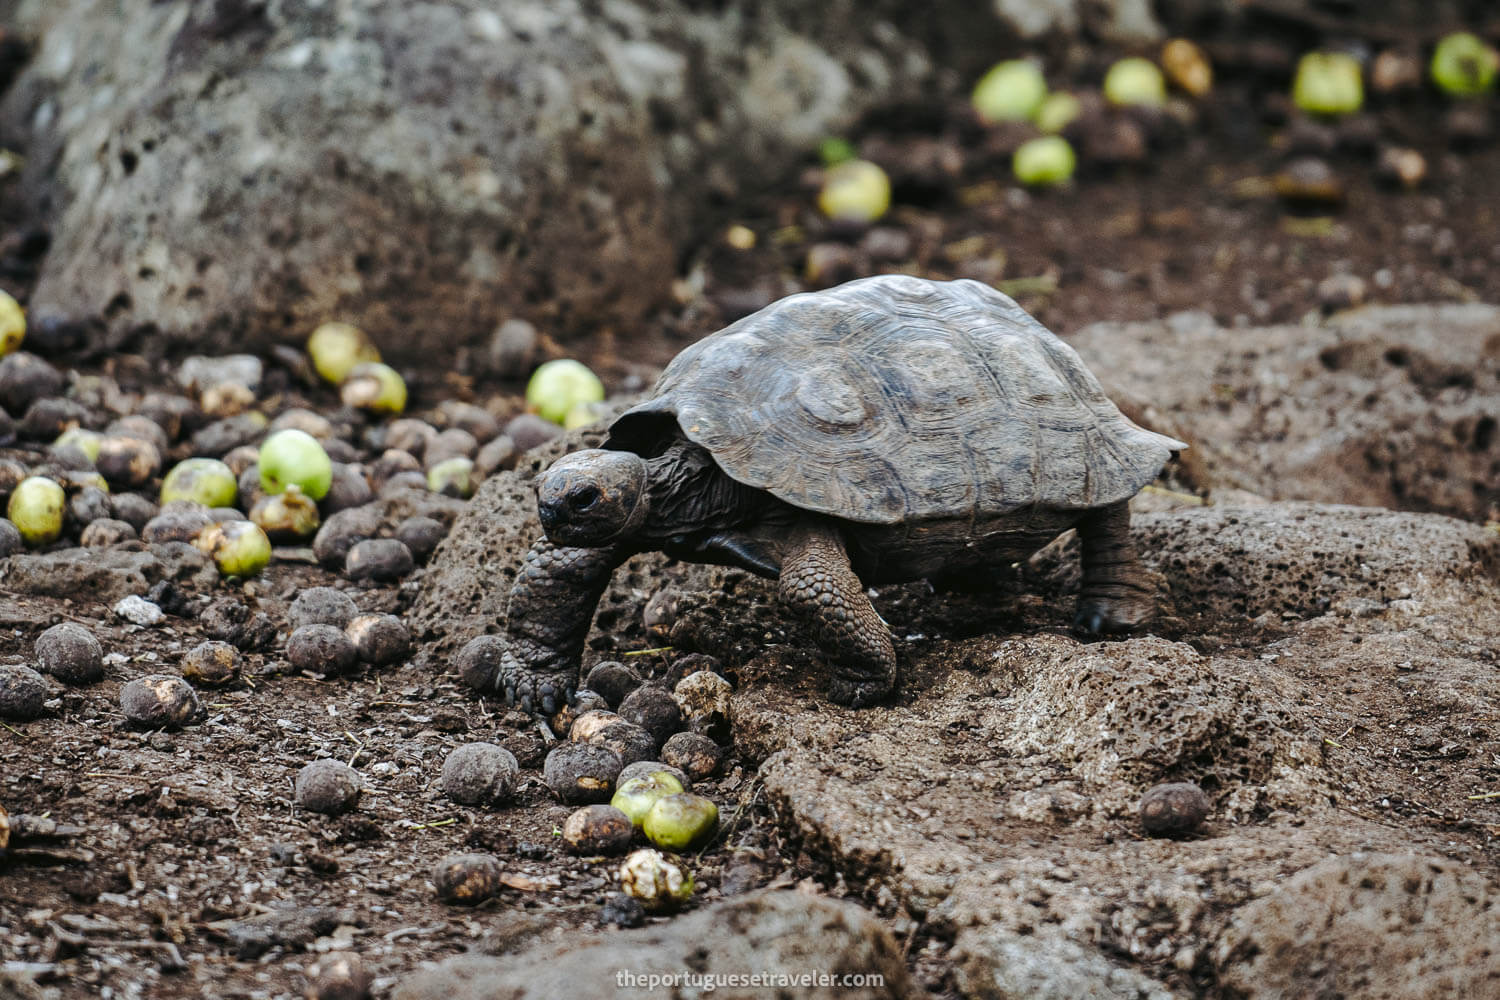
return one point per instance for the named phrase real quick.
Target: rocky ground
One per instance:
(1323, 665)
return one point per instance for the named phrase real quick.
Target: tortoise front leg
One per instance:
(551, 606)
(817, 581)
(1116, 594)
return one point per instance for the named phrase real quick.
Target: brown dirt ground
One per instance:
(186, 832)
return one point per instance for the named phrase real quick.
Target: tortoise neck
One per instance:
(688, 492)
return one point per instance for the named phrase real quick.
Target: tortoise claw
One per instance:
(534, 691)
(858, 692)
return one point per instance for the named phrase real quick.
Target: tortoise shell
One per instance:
(895, 398)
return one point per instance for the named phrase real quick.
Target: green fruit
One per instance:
(659, 882)
(1462, 66)
(558, 386)
(855, 191)
(1010, 92)
(238, 548)
(1058, 111)
(833, 151)
(584, 415)
(36, 509)
(635, 797)
(294, 458)
(1134, 81)
(12, 324)
(453, 477)
(202, 480)
(681, 822)
(290, 515)
(86, 441)
(1328, 83)
(375, 387)
(335, 348)
(1044, 162)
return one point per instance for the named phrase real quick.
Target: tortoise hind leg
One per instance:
(1116, 593)
(817, 581)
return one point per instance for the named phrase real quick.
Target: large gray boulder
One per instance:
(234, 172)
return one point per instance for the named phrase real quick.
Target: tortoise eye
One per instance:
(584, 497)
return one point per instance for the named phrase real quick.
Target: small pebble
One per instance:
(339, 975)
(1341, 291)
(580, 773)
(467, 879)
(654, 709)
(500, 453)
(70, 653)
(341, 532)
(695, 753)
(321, 649)
(321, 606)
(88, 505)
(597, 829)
(133, 509)
(23, 692)
(380, 559)
(139, 611)
(160, 701)
(478, 663)
(481, 774)
(105, 531)
(1309, 181)
(10, 539)
(622, 910)
(213, 663)
(127, 461)
(421, 535)
(529, 431)
(379, 640)
(1173, 809)
(630, 741)
(348, 490)
(613, 680)
(176, 525)
(327, 786)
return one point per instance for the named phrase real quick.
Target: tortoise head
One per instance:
(593, 498)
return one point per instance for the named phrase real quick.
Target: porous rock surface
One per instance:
(1392, 406)
(236, 172)
(772, 933)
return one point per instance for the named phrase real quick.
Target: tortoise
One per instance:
(889, 429)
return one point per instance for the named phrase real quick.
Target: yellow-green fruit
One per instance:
(12, 324)
(681, 822)
(36, 509)
(635, 797)
(855, 191)
(1134, 81)
(1044, 162)
(833, 151)
(584, 415)
(84, 440)
(1010, 92)
(453, 477)
(238, 548)
(558, 386)
(203, 480)
(1462, 65)
(289, 515)
(1058, 111)
(335, 348)
(375, 387)
(294, 458)
(1328, 83)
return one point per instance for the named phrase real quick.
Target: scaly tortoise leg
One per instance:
(1116, 593)
(551, 607)
(817, 581)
